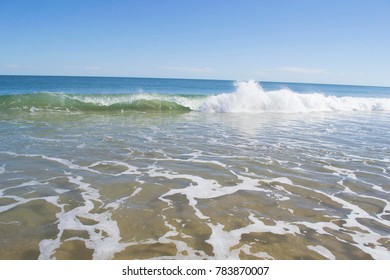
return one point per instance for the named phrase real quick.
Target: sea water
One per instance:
(134, 168)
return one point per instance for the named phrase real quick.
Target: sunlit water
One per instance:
(213, 182)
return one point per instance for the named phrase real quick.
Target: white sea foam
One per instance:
(322, 251)
(341, 171)
(130, 169)
(250, 97)
(222, 240)
(204, 188)
(104, 236)
(361, 239)
(18, 199)
(109, 100)
(50, 140)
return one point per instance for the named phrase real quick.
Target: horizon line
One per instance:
(201, 79)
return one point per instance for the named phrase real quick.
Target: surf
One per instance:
(55, 102)
(248, 97)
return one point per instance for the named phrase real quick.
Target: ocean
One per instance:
(144, 168)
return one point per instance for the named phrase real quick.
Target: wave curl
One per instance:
(248, 97)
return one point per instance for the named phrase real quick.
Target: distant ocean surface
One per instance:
(142, 168)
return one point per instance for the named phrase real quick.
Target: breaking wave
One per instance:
(248, 96)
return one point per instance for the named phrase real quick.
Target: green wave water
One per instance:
(232, 179)
(84, 103)
(249, 97)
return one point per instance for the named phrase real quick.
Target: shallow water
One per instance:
(194, 185)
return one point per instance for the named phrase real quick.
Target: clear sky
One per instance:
(332, 41)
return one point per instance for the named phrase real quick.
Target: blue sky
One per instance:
(344, 42)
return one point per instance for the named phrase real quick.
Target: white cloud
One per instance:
(187, 69)
(302, 70)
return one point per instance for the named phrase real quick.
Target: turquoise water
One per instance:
(131, 168)
(112, 85)
(101, 85)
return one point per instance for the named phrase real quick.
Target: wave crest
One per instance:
(250, 97)
(86, 103)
